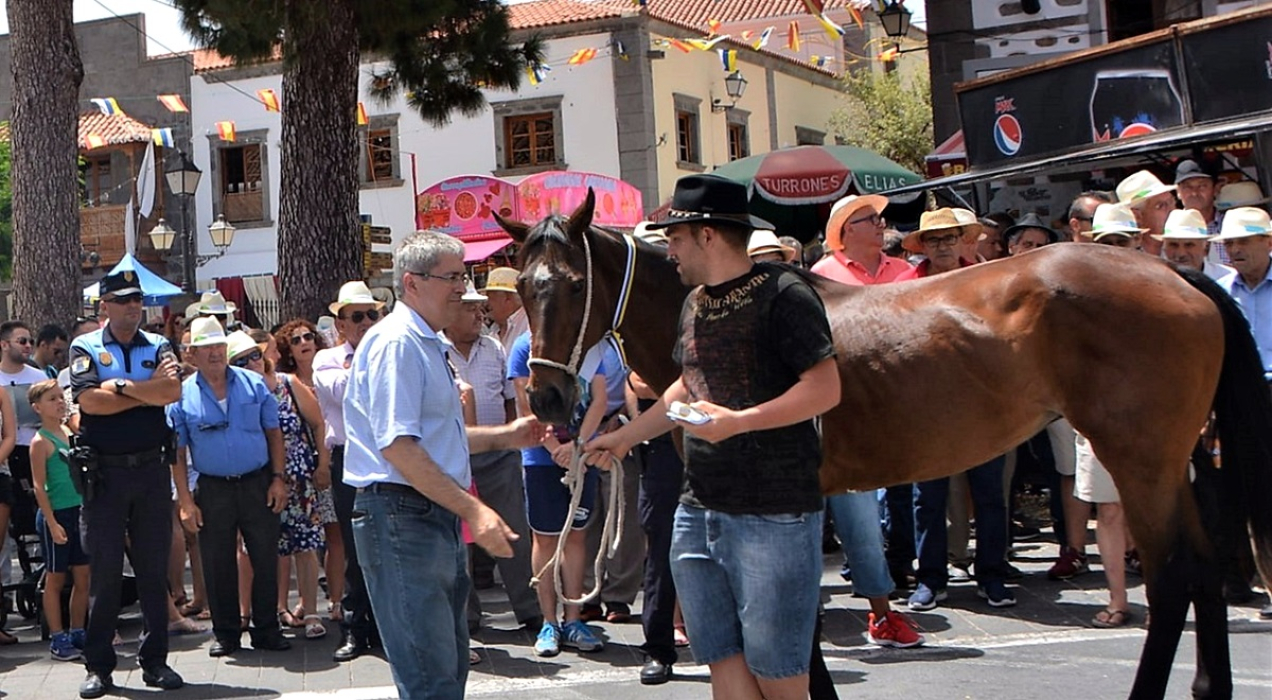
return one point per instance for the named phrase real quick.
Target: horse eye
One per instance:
(577, 286)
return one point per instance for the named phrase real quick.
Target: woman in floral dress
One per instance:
(307, 469)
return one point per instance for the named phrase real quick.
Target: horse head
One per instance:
(557, 294)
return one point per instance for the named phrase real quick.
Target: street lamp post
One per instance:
(184, 182)
(734, 86)
(895, 19)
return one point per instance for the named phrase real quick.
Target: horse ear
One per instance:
(516, 229)
(581, 219)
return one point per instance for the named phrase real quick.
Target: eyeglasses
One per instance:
(356, 317)
(874, 219)
(939, 241)
(125, 299)
(454, 278)
(244, 361)
(309, 336)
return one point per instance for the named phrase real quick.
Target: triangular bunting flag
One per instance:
(582, 56)
(362, 115)
(706, 44)
(225, 130)
(764, 38)
(173, 103)
(94, 141)
(269, 98)
(681, 45)
(713, 25)
(856, 17)
(889, 56)
(107, 105)
(834, 31)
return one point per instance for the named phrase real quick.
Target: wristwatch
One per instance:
(120, 385)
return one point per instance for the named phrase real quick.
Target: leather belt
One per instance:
(237, 477)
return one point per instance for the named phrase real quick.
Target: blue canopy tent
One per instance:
(155, 290)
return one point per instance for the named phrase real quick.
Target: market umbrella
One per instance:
(793, 188)
(155, 289)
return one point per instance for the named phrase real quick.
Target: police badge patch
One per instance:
(105, 358)
(81, 364)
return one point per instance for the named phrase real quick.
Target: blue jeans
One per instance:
(986, 485)
(856, 516)
(749, 584)
(415, 565)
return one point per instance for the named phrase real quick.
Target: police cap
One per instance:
(118, 284)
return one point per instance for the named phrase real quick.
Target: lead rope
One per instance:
(611, 529)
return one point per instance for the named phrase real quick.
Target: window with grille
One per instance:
(530, 140)
(381, 158)
(242, 184)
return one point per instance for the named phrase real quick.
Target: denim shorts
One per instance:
(61, 557)
(548, 500)
(749, 584)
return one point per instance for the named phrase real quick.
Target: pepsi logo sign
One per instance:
(1007, 134)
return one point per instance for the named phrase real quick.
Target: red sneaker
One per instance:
(1070, 564)
(894, 630)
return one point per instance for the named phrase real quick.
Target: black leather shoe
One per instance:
(1266, 613)
(350, 650)
(274, 642)
(161, 677)
(96, 685)
(223, 648)
(655, 672)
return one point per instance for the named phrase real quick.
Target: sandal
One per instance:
(191, 610)
(678, 634)
(314, 628)
(335, 611)
(287, 618)
(184, 626)
(1109, 618)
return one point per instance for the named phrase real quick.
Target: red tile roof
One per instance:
(114, 129)
(547, 13)
(696, 13)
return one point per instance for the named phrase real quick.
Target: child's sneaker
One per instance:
(78, 637)
(578, 635)
(62, 648)
(549, 640)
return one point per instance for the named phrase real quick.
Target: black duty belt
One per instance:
(390, 487)
(262, 471)
(134, 459)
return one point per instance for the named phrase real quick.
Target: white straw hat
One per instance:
(1244, 222)
(206, 331)
(1184, 225)
(470, 293)
(1114, 220)
(765, 241)
(501, 279)
(1239, 194)
(355, 292)
(1140, 186)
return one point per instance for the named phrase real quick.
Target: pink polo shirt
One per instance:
(839, 268)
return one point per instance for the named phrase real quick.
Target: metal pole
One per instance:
(188, 252)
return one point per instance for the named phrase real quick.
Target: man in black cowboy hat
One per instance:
(1028, 233)
(757, 359)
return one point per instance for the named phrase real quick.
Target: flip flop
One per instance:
(1111, 619)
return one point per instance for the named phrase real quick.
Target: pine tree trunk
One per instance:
(45, 132)
(319, 240)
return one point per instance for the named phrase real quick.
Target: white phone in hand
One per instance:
(683, 412)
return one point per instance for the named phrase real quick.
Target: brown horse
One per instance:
(1135, 354)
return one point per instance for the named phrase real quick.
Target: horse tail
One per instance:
(1243, 421)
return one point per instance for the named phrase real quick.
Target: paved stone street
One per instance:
(1041, 648)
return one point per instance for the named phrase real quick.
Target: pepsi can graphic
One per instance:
(1127, 103)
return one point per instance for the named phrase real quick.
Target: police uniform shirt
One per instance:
(98, 357)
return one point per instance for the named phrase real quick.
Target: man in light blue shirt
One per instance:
(1247, 237)
(407, 453)
(227, 426)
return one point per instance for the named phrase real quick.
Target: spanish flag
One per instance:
(162, 137)
(856, 17)
(174, 103)
(225, 130)
(729, 59)
(269, 98)
(107, 105)
(582, 56)
(681, 45)
(792, 36)
(94, 141)
(889, 55)
(362, 115)
(714, 26)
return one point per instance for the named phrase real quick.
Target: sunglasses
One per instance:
(307, 337)
(21, 341)
(357, 317)
(244, 361)
(874, 220)
(126, 299)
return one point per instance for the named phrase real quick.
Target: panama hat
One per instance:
(1114, 220)
(708, 199)
(206, 331)
(844, 209)
(1140, 186)
(239, 342)
(471, 295)
(969, 219)
(1239, 194)
(1244, 222)
(655, 237)
(214, 302)
(937, 220)
(1184, 225)
(765, 241)
(355, 292)
(501, 279)
(1031, 220)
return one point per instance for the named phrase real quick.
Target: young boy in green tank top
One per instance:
(58, 521)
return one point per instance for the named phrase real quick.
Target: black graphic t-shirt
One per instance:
(742, 343)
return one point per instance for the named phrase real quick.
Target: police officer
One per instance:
(122, 377)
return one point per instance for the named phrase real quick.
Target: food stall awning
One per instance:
(475, 251)
(1167, 139)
